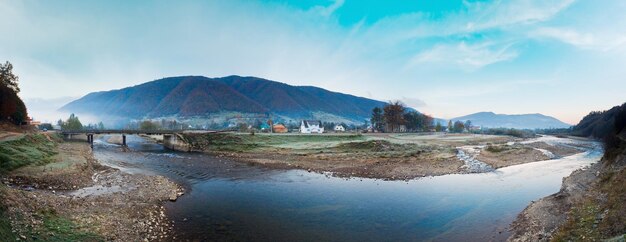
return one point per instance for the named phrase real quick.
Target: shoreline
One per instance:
(401, 157)
(588, 206)
(100, 201)
(121, 206)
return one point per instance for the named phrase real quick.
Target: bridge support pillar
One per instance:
(90, 139)
(124, 140)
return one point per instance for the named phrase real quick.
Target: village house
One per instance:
(475, 128)
(339, 128)
(311, 126)
(279, 128)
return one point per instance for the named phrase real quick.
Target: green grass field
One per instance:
(32, 149)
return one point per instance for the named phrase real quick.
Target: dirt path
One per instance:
(8, 136)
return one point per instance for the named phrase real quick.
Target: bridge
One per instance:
(171, 138)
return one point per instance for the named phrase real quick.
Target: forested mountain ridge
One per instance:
(196, 96)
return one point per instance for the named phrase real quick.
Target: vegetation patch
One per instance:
(496, 148)
(597, 219)
(47, 225)
(32, 149)
(57, 228)
(6, 231)
(519, 133)
(371, 145)
(581, 225)
(247, 142)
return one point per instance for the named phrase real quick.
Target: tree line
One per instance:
(395, 117)
(459, 127)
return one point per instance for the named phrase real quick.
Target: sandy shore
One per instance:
(99, 200)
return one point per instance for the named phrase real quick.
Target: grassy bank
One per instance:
(34, 151)
(53, 227)
(600, 216)
(247, 142)
(6, 233)
(31, 149)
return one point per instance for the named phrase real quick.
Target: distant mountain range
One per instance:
(516, 121)
(198, 96)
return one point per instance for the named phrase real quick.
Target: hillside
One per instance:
(599, 124)
(516, 121)
(198, 96)
(592, 198)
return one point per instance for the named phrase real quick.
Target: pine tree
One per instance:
(377, 119)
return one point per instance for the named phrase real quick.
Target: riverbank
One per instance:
(589, 206)
(383, 156)
(67, 195)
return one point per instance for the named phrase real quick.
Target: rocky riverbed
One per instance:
(91, 201)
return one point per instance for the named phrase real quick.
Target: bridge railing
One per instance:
(130, 131)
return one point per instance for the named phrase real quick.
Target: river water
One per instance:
(227, 200)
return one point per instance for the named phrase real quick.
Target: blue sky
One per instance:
(562, 58)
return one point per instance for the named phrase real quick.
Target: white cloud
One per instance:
(498, 14)
(469, 57)
(328, 10)
(566, 35)
(479, 16)
(596, 40)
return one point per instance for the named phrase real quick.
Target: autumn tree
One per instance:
(394, 115)
(377, 120)
(12, 107)
(414, 121)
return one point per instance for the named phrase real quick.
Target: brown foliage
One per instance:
(394, 115)
(11, 106)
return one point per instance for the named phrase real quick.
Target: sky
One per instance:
(562, 58)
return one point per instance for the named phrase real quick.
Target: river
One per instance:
(228, 200)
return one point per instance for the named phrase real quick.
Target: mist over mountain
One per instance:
(197, 97)
(516, 121)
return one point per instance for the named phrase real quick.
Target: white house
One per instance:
(339, 128)
(311, 126)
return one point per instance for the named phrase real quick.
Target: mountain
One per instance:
(197, 97)
(516, 121)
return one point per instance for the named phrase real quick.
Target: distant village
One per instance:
(394, 117)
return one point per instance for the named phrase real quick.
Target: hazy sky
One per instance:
(562, 58)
